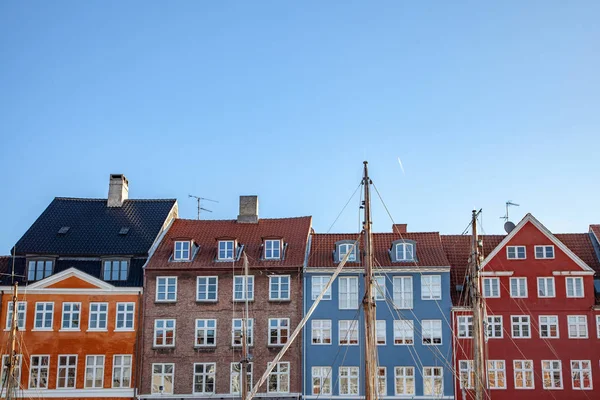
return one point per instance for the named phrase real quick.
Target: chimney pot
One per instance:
(399, 228)
(248, 210)
(118, 190)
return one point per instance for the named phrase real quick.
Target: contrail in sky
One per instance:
(401, 167)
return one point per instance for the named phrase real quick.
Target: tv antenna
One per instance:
(199, 200)
(508, 225)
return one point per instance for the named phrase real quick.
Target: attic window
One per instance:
(39, 269)
(273, 249)
(63, 230)
(226, 249)
(403, 250)
(182, 250)
(115, 270)
(124, 231)
(343, 248)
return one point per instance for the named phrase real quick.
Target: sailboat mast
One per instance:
(11, 381)
(368, 300)
(244, 362)
(476, 301)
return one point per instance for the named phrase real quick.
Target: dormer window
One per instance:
(39, 269)
(403, 250)
(345, 248)
(226, 249)
(182, 250)
(115, 270)
(272, 249)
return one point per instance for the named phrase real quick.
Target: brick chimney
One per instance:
(248, 210)
(118, 190)
(399, 228)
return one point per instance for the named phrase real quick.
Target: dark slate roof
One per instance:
(94, 228)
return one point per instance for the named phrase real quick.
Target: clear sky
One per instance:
(482, 102)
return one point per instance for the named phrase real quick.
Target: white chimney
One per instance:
(118, 190)
(248, 210)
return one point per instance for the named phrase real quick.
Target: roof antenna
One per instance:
(199, 200)
(508, 225)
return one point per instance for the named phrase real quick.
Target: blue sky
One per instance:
(482, 102)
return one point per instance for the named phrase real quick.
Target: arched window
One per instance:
(404, 250)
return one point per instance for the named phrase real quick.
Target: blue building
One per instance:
(413, 317)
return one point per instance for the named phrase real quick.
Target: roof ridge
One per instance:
(101, 199)
(235, 220)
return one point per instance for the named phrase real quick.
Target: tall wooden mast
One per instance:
(11, 384)
(244, 362)
(478, 312)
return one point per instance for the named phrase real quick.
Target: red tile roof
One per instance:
(596, 231)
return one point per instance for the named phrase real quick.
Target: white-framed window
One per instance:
(166, 288)
(598, 326)
(243, 288)
(272, 249)
(379, 288)
(164, 332)
(348, 292)
(182, 250)
(44, 313)
(71, 314)
(98, 317)
(546, 287)
(549, 327)
(581, 374)
(348, 378)
(516, 252)
(518, 287)
(433, 381)
(21, 315)
(431, 287)
(520, 326)
(403, 292)
(38, 372)
(496, 370)
(162, 378)
(279, 378)
(318, 283)
(226, 250)
(431, 331)
(234, 377)
(494, 327)
(552, 374)
(523, 374)
(279, 331)
(94, 372)
(17, 368)
(345, 248)
(404, 379)
(206, 332)
(237, 330)
(121, 373)
(380, 332)
(115, 270)
(574, 286)
(577, 326)
(125, 316)
(321, 331)
(544, 252)
(207, 288)
(405, 252)
(66, 376)
(465, 326)
(321, 381)
(404, 332)
(491, 287)
(467, 374)
(279, 287)
(348, 332)
(381, 381)
(204, 378)
(39, 269)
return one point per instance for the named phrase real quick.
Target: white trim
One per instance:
(544, 280)
(496, 273)
(543, 246)
(289, 296)
(92, 292)
(62, 317)
(35, 311)
(121, 366)
(125, 329)
(557, 327)
(165, 329)
(166, 278)
(516, 247)
(105, 329)
(207, 291)
(94, 373)
(235, 396)
(510, 286)
(586, 325)
(68, 273)
(76, 393)
(66, 367)
(397, 270)
(572, 273)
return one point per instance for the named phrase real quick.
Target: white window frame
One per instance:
(70, 314)
(202, 332)
(21, 315)
(348, 293)
(521, 373)
(318, 283)
(323, 376)
(464, 324)
(577, 322)
(121, 370)
(96, 370)
(494, 284)
(378, 289)
(381, 381)
(281, 377)
(37, 370)
(162, 375)
(516, 252)
(247, 283)
(39, 274)
(273, 246)
(574, 279)
(18, 368)
(47, 308)
(431, 290)
(207, 283)
(521, 289)
(496, 373)
(278, 326)
(466, 374)
(430, 376)
(346, 248)
(404, 332)
(492, 323)
(206, 374)
(226, 246)
(321, 332)
(545, 284)
(550, 368)
(403, 292)
(67, 368)
(249, 331)
(577, 368)
(347, 376)
(279, 281)
(544, 249)
(234, 377)
(125, 312)
(549, 324)
(380, 327)
(118, 265)
(98, 313)
(168, 282)
(408, 251)
(183, 253)
(598, 326)
(166, 329)
(430, 329)
(520, 323)
(348, 332)
(408, 380)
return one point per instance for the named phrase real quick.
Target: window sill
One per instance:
(42, 330)
(165, 301)
(239, 346)
(125, 330)
(19, 329)
(211, 347)
(207, 301)
(242, 301)
(321, 344)
(275, 346)
(155, 347)
(280, 300)
(69, 330)
(97, 330)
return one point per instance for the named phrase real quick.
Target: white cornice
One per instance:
(330, 270)
(577, 273)
(496, 273)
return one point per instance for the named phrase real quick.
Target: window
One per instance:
(431, 331)
(491, 287)
(279, 287)
(549, 326)
(207, 288)
(381, 381)
(279, 378)
(70, 316)
(379, 288)
(518, 287)
(234, 377)
(279, 330)
(236, 332)
(574, 287)
(318, 283)
(21, 315)
(404, 378)
(121, 376)
(545, 287)
(577, 326)
(321, 380)
(520, 326)
(38, 372)
(581, 374)
(182, 251)
(39, 269)
(164, 332)
(544, 252)
(115, 270)
(94, 372)
(321, 331)
(67, 372)
(552, 374)
(243, 288)
(226, 249)
(348, 293)
(204, 378)
(345, 248)
(348, 381)
(598, 326)
(523, 374)
(273, 249)
(494, 326)
(433, 381)
(125, 316)
(206, 332)
(431, 287)
(403, 292)
(44, 313)
(162, 378)
(515, 252)
(16, 371)
(166, 288)
(404, 333)
(98, 316)
(467, 374)
(465, 326)
(496, 370)
(405, 252)
(348, 332)
(380, 332)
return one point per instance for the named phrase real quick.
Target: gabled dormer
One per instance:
(403, 250)
(184, 249)
(228, 249)
(344, 247)
(273, 248)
